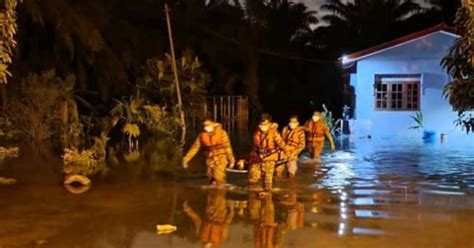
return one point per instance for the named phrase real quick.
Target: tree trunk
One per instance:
(251, 62)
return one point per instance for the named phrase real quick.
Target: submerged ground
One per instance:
(368, 194)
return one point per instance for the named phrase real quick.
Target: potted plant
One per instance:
(418, 119)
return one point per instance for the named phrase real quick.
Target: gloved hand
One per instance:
(186, 207)
(185, 165)
(231, 164)
(241, 164)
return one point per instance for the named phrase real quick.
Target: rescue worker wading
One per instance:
(316, 133)
(217, 150)
(267, 144)
(294, 137)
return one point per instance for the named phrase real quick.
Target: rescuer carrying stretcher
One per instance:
(268, 146)
(294, 137)
(217, 150)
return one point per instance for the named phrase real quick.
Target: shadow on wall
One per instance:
(434, 81)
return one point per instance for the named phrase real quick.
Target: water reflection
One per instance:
(368, 196)
(213, 227)
(271, 223)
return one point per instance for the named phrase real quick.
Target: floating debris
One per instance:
(77, 179)
(9, 152)
(7, 181)
(77, 184)
(41, 242)
(165, 229)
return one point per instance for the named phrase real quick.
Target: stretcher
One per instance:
(245, 171)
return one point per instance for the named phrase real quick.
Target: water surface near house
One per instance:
(369, 194)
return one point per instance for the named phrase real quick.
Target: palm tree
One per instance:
(101, 42)
(444, 10)
(362, 23)
(288, 24)
(275, 25)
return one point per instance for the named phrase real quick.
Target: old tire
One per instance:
(77, 184)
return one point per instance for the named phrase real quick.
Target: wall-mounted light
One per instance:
(344, 59)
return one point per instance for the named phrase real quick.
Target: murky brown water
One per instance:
(370, 195)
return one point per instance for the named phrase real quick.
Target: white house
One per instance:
(397, 79)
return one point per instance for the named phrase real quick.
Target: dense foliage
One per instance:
(460, 64)
(8, 28)
(109, 55)
(264, 49)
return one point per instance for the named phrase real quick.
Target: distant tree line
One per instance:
(275, 51)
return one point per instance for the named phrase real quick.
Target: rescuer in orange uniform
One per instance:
(213, 229)
(268, 145)
(217, 150)
(316, 133)
(294, 137)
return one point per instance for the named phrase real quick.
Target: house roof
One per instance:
(397, 42)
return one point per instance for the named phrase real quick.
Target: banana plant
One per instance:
(333, 124)
(131, 113)
(135, 114)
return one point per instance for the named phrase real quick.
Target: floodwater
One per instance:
(367, 194)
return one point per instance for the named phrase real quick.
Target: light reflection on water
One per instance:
(369, 195)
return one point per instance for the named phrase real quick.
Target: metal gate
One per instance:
(231, 111)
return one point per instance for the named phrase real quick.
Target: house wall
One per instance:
(421, 56)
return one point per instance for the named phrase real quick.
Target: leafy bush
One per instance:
(7, 32)
(157, 83)
(460, 64)
(136, 113)
(333, 124)
(86, 162)
(45, 106)
(35, 110)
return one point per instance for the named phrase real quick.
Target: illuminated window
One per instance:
(397, 92)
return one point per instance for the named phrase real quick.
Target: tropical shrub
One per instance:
(157, 83)
(88, 161)
(333, 124)
(34, 110)
(460, 64)
(46, 106)
(135, 114)
(418, 119)
(8, 28)
(8, 132)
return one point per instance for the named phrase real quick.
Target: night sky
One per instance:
(314, 4)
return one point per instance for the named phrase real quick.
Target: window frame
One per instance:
(404, 88)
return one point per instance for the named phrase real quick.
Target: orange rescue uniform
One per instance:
(316, 133)
(267, 151)
(295, 141)
(217, 151)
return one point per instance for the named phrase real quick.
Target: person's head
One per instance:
(294, 122)
(265, 122)
(316, 116)
(208, 125)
